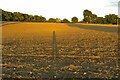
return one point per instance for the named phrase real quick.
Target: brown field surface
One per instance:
(82, 51)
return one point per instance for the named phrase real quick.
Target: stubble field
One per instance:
(83, 51)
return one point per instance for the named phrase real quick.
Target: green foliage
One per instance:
(87, 16)
(100, 20)
(55, 20)
(7, 16)
(74, 19)
(27, 18)
(92, 18)
(17, 16)
(58, 20)
(51, 20)
(118, 21)
(111, 18)
(87, 13)
(65, 21)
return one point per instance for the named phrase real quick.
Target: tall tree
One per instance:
(87, 16)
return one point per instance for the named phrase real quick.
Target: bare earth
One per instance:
(83, 51)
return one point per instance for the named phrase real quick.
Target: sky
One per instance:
(61, 8)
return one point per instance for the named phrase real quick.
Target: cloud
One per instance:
(113, 3)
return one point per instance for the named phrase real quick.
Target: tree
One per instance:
(93, 18)
(51, 20)
(18, 16)
(111, 18)
(87, 13)
(87, 16)
(42, 19)
(7, 16)
(100, 20)
(65, 21)
(27, 17)
(118, 21)
(58, 20)
(74, 19)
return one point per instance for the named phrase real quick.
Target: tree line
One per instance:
(89, 17)
(17, 16)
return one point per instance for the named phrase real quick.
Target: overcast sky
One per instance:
(61, 8)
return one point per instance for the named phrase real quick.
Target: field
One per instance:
(83, 51)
